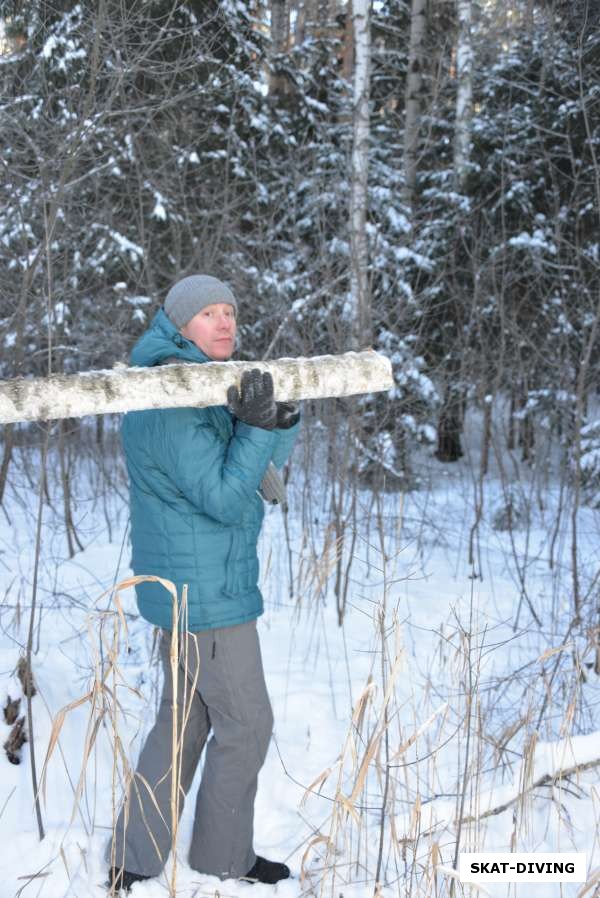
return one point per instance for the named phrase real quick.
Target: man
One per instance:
(195, 518)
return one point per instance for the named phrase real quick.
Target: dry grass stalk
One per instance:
(316, 568)
(592, 882)
(363, 755)
(441, 711)
(304, 874)
(174, 661)
(103, 703)
(179, 616)
(526, 777)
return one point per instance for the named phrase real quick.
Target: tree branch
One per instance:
(545, 780)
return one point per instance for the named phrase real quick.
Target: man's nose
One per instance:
(224, 322)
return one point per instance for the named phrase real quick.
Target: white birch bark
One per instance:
(178, 385)
(464, 91)
(359, 251)
(413, 96)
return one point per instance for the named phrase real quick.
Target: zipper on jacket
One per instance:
(214, 648)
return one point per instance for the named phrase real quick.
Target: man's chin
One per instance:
(222, 355)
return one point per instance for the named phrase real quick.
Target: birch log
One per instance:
(171, 386)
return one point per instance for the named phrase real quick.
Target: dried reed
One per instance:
(102, 698)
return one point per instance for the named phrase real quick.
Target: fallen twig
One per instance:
(545, 780)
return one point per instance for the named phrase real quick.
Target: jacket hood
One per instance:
(161, 341)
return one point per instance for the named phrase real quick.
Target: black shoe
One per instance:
(266, 871)
(122, 880)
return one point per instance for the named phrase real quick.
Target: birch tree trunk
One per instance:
(310, 17)
(279, 35)
(180, 385)
(359, 251)
(324, 15)
(464, 92)
(299, 22)
(348, 52)
(413, 97)
(313, 19)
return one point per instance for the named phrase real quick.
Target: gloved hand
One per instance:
(256, 405)
(288, 414)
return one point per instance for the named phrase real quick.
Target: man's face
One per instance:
(213, 331)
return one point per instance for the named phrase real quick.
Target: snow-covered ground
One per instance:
(440, 698)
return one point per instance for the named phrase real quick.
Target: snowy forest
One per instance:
(416, 177)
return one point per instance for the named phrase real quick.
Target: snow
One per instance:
(69, 51)
(398, 221)
(260, 122)
(316, 105)
(123, 243)
(403, 254)
(159, 212)
(537, 240)
(49, 46)
(436, 615)
(260, 87)
(137, 300)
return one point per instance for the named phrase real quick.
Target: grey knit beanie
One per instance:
(192, 294)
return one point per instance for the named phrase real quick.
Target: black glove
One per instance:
(256, 405)
(288, 414)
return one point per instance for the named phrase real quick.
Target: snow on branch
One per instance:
(171, 386)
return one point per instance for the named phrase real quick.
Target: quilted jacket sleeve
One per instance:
(218, 477)
(284, 445)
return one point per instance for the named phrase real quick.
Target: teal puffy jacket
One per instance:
(195, 510)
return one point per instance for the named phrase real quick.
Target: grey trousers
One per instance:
(229, 697)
